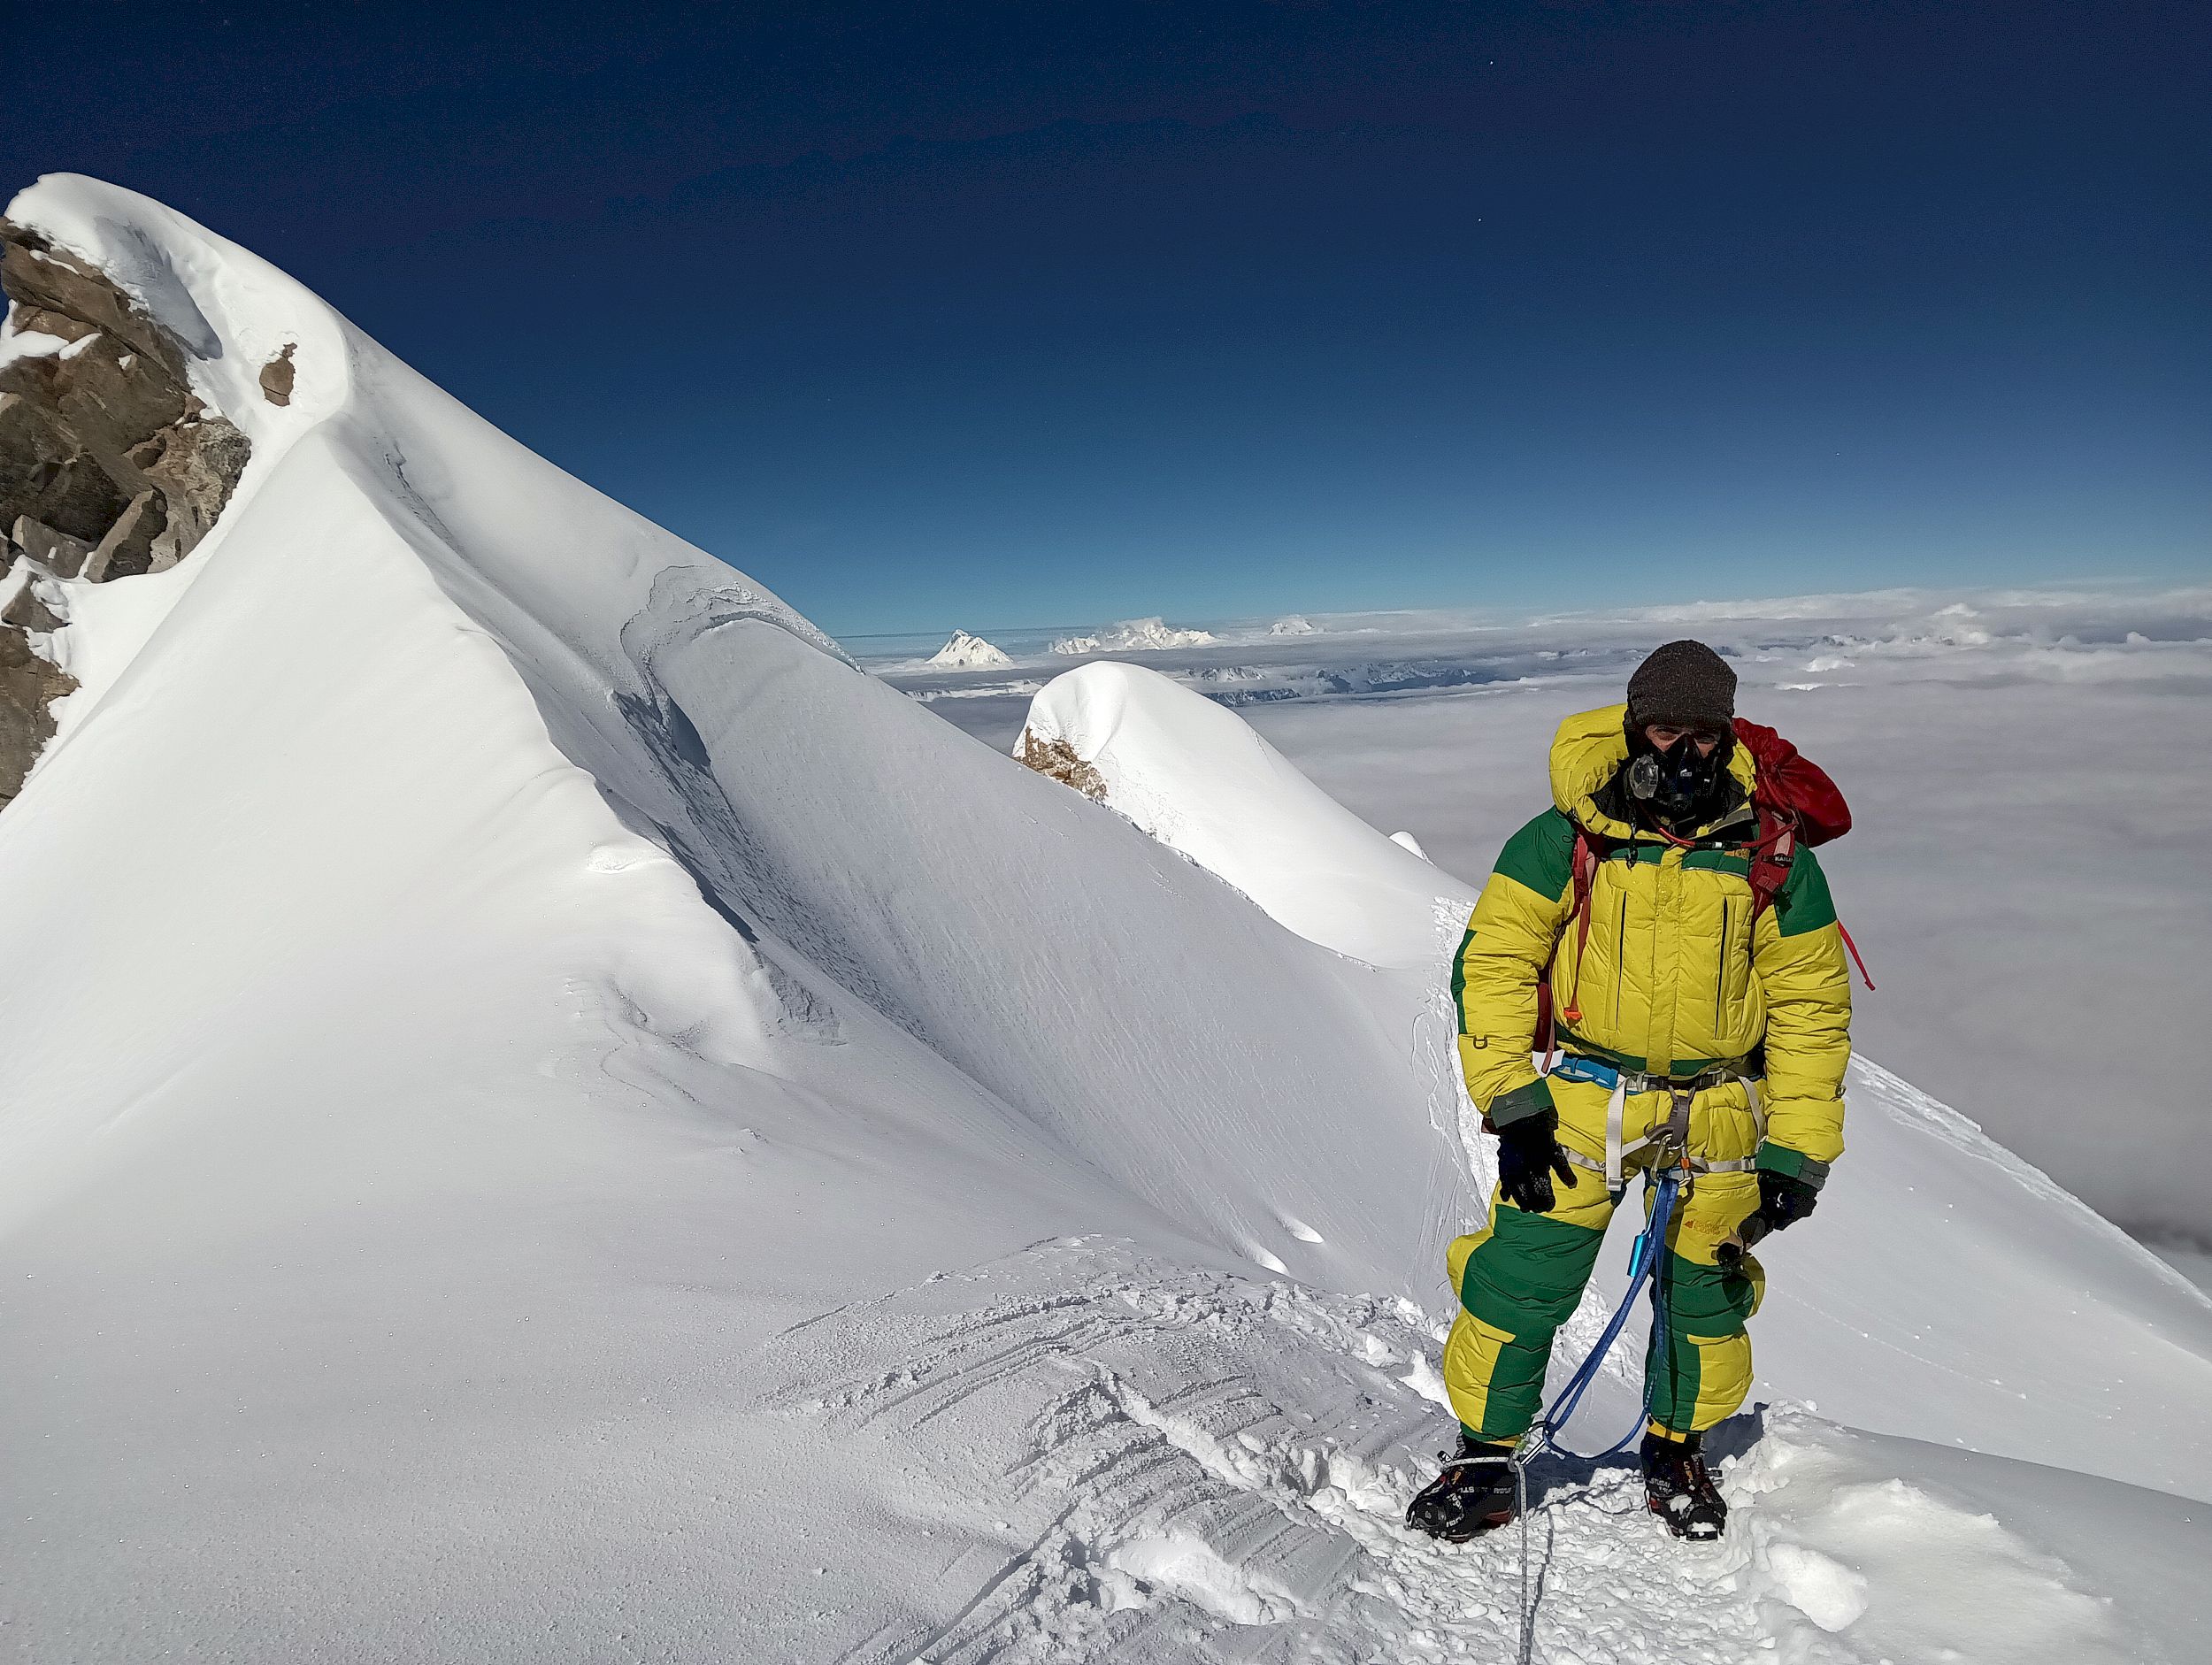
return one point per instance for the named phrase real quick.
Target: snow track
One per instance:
(1179, 1464)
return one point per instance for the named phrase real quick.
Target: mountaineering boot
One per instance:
(1681, 1488)
(1472, 1496)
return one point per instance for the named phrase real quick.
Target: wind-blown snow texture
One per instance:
(550, 1116)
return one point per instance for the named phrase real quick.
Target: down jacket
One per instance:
(1676, 976)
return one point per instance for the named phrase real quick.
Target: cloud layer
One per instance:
(2032, 778)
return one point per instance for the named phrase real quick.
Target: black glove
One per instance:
(1528, 1155)
(1783, 1201)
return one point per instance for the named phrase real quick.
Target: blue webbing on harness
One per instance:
(1574, 1067)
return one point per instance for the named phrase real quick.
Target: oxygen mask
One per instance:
(1682, 779)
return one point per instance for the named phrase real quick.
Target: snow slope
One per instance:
(551, 1118)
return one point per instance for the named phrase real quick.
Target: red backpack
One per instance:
(1796, 803)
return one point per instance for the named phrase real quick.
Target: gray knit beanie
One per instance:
(1683, 684)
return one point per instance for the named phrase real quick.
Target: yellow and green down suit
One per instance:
(1675, 979)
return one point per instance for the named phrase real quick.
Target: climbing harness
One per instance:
(1576, 1067)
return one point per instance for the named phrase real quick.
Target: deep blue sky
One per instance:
(1056, 313)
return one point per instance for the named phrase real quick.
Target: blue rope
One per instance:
(1643, 1268)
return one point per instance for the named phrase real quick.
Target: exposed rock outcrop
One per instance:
(1062, 762)
(128, 548)
(110, 465)
(29, 684)
(58, 552)
(105, 417)
(193, 465)
(47, 475)
(276, 376)
(55, 289)
(28, 611)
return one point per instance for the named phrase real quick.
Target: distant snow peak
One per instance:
(1296, 625)
(1134, 635)
(964, 652)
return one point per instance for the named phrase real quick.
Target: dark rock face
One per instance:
(128, 548)
(41, 278)
(103, 396)
(58, 552)
(1062, 762)
(27, 612)
(47, 474)
(193, 465)
(88, 431)
(276, 376)
(110, 466)
(28, 686)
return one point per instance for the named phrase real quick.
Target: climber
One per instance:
(1665, 919)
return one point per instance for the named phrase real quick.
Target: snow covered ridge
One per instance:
(553, 1119)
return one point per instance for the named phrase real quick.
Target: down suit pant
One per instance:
(1522, 1276)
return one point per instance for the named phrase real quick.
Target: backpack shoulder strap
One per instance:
(1772, 850)
(1585, 868)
